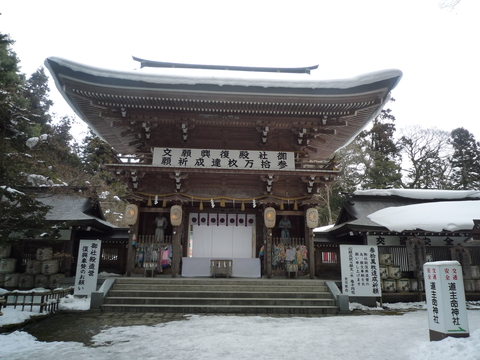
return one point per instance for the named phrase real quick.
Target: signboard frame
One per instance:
(223, 159)
(89, 252)
(360, 271)
(445, 295)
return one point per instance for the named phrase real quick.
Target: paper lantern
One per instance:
(131, 214)
(269, 215)
(176, 215)
(312, 218)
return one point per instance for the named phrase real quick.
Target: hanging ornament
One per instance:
(201, 205)
(295, 205)
(134, 240)
(156, 199)
(282, 207)
(222, 202)
(243, 206)
(254, 203)
(164, 204)
(212, 203)
(149, 202)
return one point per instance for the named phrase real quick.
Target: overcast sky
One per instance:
(436, 48)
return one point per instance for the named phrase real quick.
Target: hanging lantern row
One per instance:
(131, 215)
(223, 201)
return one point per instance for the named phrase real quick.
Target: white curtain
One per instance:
(222, 241)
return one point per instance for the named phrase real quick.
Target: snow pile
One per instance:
(39, 180)
(32, 142)
(71, 302)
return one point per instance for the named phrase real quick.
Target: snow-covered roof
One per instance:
(323, 228)
(333, 112)
(266, 80)
(406, 210)
(436, 216)
(422, 194)
(72, 208)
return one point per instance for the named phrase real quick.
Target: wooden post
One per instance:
(311, 253)
(268, 253)
(69, 250)
(130, 249)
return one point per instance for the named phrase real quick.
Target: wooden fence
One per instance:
(46, 300)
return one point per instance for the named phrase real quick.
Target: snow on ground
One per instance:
(348, 337)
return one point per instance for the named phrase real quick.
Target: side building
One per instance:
(410, 227)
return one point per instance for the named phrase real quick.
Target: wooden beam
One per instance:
(162, 64)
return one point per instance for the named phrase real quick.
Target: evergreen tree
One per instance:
(465, 160)
(353, 162)
(37, 149)
(385, 169)
(20, 213)
(36, 92)
(96, 153)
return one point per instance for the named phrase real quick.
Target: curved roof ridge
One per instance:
(264, 81)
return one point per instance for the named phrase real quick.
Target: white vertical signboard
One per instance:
(445, 294)
(87, 267)
(360, 270)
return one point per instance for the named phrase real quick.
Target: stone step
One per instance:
(226, 309)
(218, 281)
(220, 295)
(224, 294)
(213, 287)
(288, 302)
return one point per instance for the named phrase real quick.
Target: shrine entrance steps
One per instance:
(220, 295)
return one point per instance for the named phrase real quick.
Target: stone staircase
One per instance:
(220, 295)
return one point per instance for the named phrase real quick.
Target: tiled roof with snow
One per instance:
(265, 80)
(422, 194)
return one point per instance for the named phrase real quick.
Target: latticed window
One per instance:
(110, 254)
(329, 257)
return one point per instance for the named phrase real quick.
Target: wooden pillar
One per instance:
(177, 219)
(268, 253)
(69, 250)
(131, 249)
(311, 253)
(176, 248)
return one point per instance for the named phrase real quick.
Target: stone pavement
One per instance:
(81, 326)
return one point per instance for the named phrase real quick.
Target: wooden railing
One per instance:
(291, 241)
(150, 239)
(46, 301)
